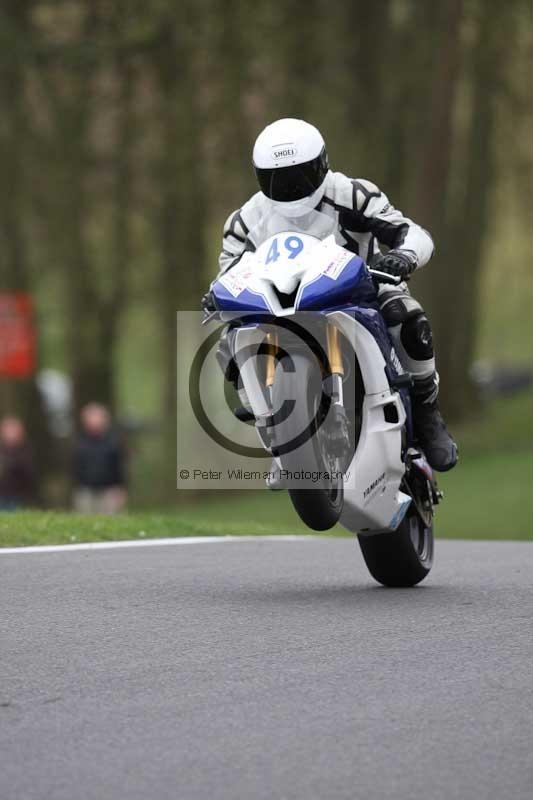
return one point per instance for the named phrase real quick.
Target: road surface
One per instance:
(265, 670)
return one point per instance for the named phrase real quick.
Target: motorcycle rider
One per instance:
(292, 169)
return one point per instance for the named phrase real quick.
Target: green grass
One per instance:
(505, 426)
(488, 496)
(256, 514)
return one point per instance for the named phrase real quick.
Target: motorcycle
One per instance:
(327, 393)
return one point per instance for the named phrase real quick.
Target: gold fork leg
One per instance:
(272, 342)
(334, 350)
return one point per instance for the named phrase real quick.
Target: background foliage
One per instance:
(125, 138)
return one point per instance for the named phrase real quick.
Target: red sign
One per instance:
(17, 335)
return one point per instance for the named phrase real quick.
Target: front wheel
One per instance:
(403, 557)
(298, 380)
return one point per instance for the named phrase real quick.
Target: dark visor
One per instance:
(295, 182)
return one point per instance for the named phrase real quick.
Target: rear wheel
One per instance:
(403, 557)
(299, 379)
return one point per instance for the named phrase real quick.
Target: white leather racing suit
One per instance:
(363, 220)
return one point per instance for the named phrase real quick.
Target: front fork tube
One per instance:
(264, 428)
(332, 383)
(339, 435)
(272, 345)
(336, 369)
(334, 373)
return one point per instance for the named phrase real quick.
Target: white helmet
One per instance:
(291, 165)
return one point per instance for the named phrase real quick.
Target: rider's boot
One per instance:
(430, 428)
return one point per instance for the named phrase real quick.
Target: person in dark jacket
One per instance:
(99, 464)
(17, 467)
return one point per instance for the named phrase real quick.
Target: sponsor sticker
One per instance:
(235, 282)
(282, 151)
(374, 485)
(339, 261)
(397, 364)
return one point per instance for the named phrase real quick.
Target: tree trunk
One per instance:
(17, 396)
(94, 300)
(432, 196)
(181, 209)
(471, 222)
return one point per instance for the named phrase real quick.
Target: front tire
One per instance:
(403, 557)
(301, 381)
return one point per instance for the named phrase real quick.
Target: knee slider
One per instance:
(397, 307)
(394, 312)
(417, 338)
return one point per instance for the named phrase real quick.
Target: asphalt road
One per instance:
(265, 670)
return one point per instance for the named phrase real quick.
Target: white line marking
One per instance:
(66, 548)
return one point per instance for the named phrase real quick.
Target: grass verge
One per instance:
(488, 496)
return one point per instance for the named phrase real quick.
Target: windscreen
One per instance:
(318, 224)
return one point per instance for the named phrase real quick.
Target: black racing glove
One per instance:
(208, 304)
(401, 263)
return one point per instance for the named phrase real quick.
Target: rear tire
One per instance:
(319, 508)
(403, 557)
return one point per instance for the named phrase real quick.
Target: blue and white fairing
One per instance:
(307, 270)
(319, 275)
(294, 271)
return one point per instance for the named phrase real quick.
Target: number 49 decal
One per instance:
(292, 244)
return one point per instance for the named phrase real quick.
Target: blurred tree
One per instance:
(71, 80)
(431, 204)
(371, 35)
(20, 396)
(225, 77)
(472, 211)
(126, 131)
(181, 189)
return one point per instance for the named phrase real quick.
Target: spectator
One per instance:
(99, 464)
(17, 468)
